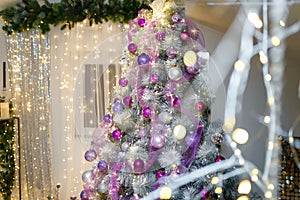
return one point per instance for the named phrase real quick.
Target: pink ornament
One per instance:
(200, 106)
(154, 78)
(193, 70)
(172, 53)
(184, 36)
(219, 158)
(141, 22)
(160, 174)
(127, 100)
(204, 193)
(138, 166)
(176, 103)
(90, 155)
(160, 36)
(107, 118)
(146, 112)
(123, 82)
(158, 141)
(132, 48)
(116, 134)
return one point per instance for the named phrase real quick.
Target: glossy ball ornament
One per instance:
(193, 70)
(116, 134)
(165, 193)
(175, 73)
(204, 193)
(158, 141)
(141, 22)
(102, 187)
(154, 78)
(184, 36)
(160, 174)
(83, 195)
(90, 155)
(160, 36)
(107, 118)
(117, 107)
(127, 101)
(172, 53)
(219, 158)
(176, 18)
(146, 112)
(200, 106)
(176, 102)
(179, 132)
(86, 175)
(132, 48)
(123, 82)
(102, 165)
(143, 59)
(138, 166)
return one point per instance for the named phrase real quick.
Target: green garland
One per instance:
(30, 14)
(7, 157)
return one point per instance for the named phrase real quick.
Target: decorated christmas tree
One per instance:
(158, 126)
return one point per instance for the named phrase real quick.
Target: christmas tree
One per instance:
(158, 126)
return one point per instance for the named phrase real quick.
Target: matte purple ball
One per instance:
(132, 48)
(138, 165)
(154, 78)
(123, 82)
(90, 155)
(107, 118)
(146, 112)
(192, 69)
(102, 165)
(117, 134)
(143, 59)
(158, 141)
(184, 36)
(127, 100)
(160, 36)
(141, 22)
(176, 18)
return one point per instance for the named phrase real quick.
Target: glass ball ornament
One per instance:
(143, 59)
(90, 155)
(141, 22)
(154, 78)
(165, 192)
(102, 165)
(132, 48)
(102, 187)
(86, 175)
(179, 132)
(176, 102)
(123, 82)
(184, 36)
(116, 134)
(107, 118)
(193, 70)
(160, 35)
(138, 166)
(158, 141)
(127, 101)
(146, 112)
(160, 174)
(175, 73)
(117, 107)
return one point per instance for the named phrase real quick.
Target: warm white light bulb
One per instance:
(240, 136)
(244, 187)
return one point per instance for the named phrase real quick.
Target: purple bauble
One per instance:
(146, 112)
(160, 36)
(200, 106)
(116, 134)
(158, 141)
(219, 158)
(154, 78)
(102, 165)
(193, 69)
(141, 22)
(107, 118)
(184, 36)
(176, 103)
(132, 48)
(172, 53)
(83, 195)
(143, 59)
(117, 107)
(204, 193)
(127, 100)
(90, 155)
(123, 82)
(138, 166)
(176, 18)
(160, 174)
